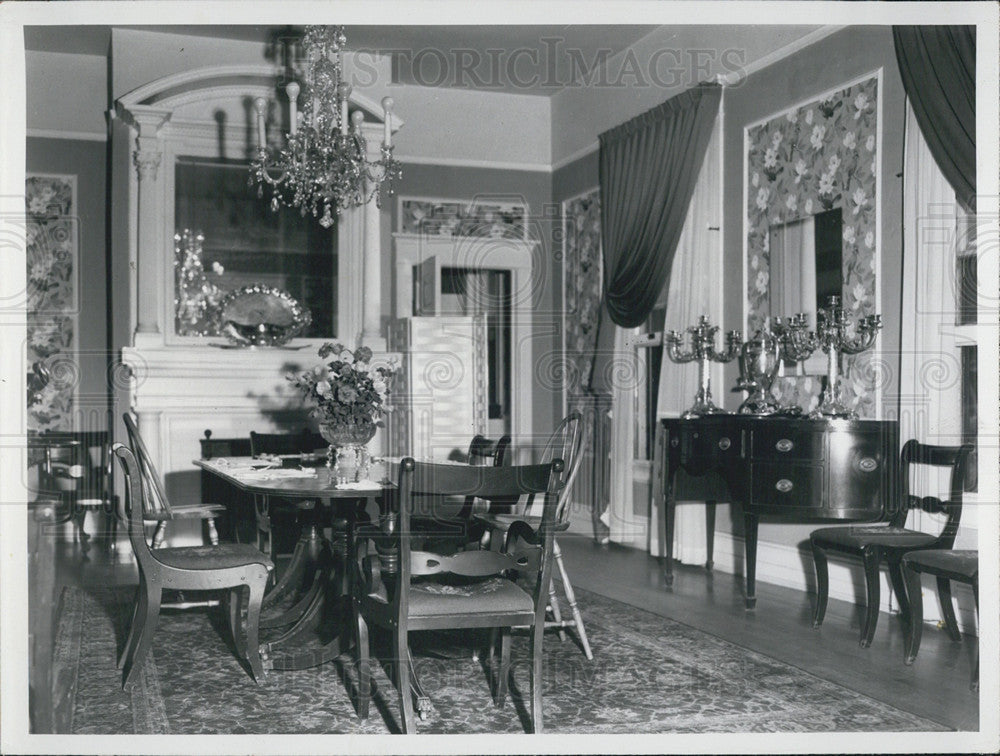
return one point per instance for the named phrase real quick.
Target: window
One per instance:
(243, 243)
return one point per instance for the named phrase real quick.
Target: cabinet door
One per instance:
(427, 288)
(862, 474)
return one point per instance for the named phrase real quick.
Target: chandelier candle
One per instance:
(323, 167)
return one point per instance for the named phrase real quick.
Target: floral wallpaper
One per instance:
(495, 220)
(51, 250)
(809, 159)
(583, 281)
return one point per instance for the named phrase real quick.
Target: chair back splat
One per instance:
(155, 505)
(566, 443)
(914, 454)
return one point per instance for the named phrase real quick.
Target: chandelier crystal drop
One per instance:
(323, 168)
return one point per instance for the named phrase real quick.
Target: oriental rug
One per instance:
(649, 675)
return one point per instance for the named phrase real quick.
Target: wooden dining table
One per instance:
(309, 605)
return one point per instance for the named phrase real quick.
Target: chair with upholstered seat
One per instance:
(959, 565)
(888, 541)
(566, 443)
(230, 566)
(156, 507)
(400, 588)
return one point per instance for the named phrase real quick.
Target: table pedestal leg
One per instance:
(321, 633)
(302, 577)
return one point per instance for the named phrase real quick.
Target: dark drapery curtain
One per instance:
(938, 67)
(648, 170)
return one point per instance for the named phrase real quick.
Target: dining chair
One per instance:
(959, 565)
(566, 443)
(78, 469)
(447, 520)
(230, 566)
(398, 587)
(156, 507)
(265, 508)
(889, 540)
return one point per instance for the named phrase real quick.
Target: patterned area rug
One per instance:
(649, 675)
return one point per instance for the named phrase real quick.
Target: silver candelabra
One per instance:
(834, 336)
(702, 338)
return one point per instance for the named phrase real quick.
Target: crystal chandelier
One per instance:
(323, 167)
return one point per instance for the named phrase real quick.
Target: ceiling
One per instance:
(535, 60)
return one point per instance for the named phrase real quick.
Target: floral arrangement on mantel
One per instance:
(350, 395)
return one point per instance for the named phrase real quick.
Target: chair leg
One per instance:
(536, 677)
(138, 611)
(899, 588)
(144, 635)
(401, 657)
(948, 608)
(213, 533)
(364, 665)
(915, 625)
(504, 674)
(160, 534)
(822, 584)
(556, 613)
(233, 617)
(581, 631)
(252, 648)
(871, 559)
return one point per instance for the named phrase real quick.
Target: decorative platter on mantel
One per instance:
(260, 315)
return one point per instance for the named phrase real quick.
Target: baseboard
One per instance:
(787, 566)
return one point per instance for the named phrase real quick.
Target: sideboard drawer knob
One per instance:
(674, 441)
(868, 464)
(784, 485)
(724, 443)
(784, 445)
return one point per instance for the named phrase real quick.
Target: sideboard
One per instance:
(791, 469)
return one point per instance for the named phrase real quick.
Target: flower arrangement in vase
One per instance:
(350, 398)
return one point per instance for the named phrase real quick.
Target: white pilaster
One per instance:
(149, 152)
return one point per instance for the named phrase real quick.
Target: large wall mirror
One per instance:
(812, 207)
(806, 263)
(242, 242)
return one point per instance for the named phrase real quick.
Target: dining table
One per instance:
(308, 608)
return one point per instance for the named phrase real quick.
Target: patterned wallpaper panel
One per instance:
(582, 267)
(51, 250)
(812, 158)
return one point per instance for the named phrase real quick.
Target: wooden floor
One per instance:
(935, 687)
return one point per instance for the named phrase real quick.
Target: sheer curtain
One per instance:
(695, 289)
(930, 368)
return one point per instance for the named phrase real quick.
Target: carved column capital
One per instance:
(147, 162)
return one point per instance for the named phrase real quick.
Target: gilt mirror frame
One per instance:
(821, 153)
